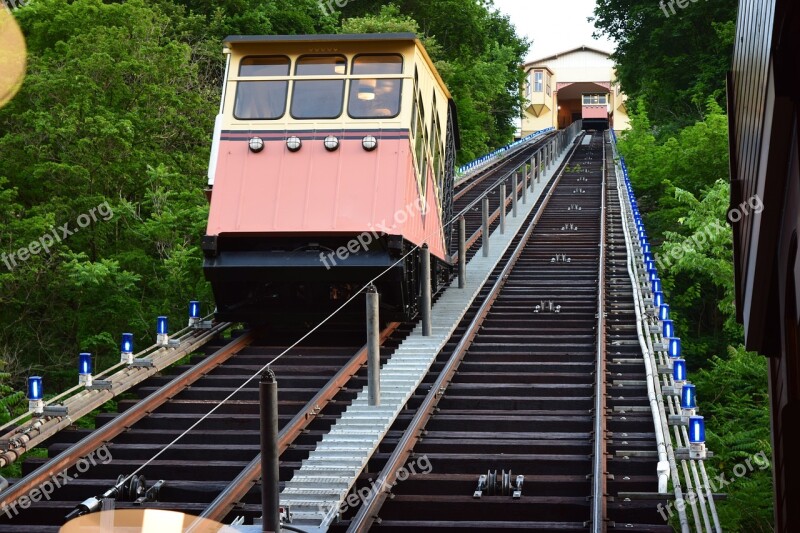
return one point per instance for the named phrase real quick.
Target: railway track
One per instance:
(515, 392)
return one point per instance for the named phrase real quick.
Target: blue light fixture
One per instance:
(126, 346)
(697, 430)
(645, 246)
(652, 275)
(161, 331)
(655, 285)
(658, 299)
(674, 347)
(194, 313)
(663, 311)
(35, 395)
(126, 349)
(35, 389)
(689, 398)
(679, 371)
(85, 369)
(85, 363)
(697, 438)
(648, 257)
(667, 329)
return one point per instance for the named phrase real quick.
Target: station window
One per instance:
(594, 99)
(318, 99)
(262, 99)
(537, 81)
(375, 97)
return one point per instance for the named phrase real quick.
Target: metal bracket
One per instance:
(144, 363)
(55, 410)
(100, 384)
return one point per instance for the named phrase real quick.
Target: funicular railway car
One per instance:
(595, 111)
(333, 157)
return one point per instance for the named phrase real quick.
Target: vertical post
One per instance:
(538, 166)
(525, 188)
(502, 208)
(485, 227)
(462, 252)
(268, 396)
(426, 290)
(514, 185)
(373, 348)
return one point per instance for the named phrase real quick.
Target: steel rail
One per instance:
(88, 444)
(598, 516)
(368, 512)
(247, 478)
(487, 172)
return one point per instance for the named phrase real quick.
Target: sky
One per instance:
(553, 25)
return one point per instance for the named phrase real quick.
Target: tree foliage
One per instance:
(671, 62)
(113, 114)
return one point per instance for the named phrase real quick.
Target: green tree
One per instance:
(671, 62)
(735, 403)
(114, 114)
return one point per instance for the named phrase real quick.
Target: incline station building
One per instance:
(578, 84)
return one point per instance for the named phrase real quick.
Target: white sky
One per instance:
(553, 25)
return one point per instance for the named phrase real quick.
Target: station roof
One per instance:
(350, 37)
(582, 48)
